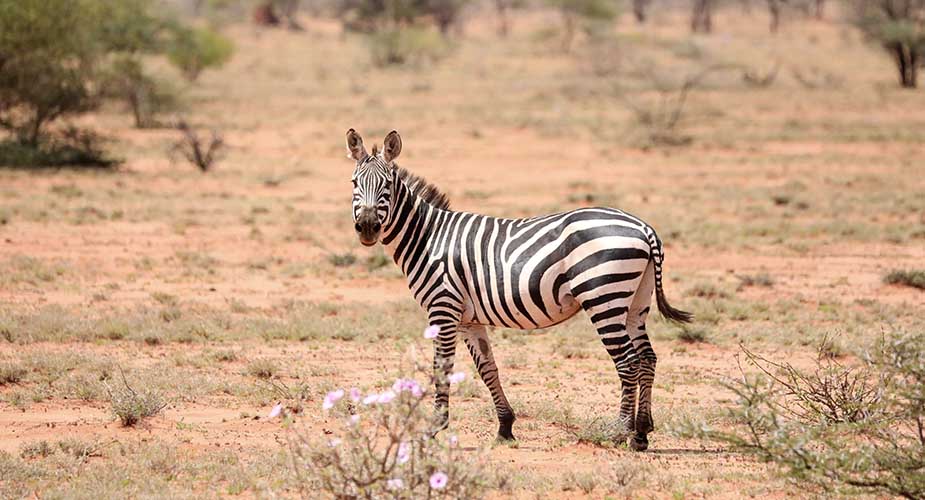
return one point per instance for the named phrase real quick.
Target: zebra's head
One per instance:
(372, 184)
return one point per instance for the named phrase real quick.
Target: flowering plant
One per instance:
(384, 448)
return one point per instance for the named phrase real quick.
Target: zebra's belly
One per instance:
(568, 308)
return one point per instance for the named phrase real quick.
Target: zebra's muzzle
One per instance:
(368, 227)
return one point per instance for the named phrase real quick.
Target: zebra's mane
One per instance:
(425, 190)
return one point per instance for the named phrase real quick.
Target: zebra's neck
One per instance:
(407, 235)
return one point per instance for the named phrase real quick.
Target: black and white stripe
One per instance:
(471, 271)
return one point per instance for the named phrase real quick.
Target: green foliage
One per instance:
(59, 58)
(602, 10)
(197, 49)
(591, 16)
(912, 277)
(132, 26)
(47, 60)
(406, 46)
(68, 147)
(898, 28)
(145, 95)
(373, 15)
(846, 428)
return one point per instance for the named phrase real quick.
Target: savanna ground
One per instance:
(229, 291)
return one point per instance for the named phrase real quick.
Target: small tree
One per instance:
(47, 61)
(446, 13)
(774, 10)
(193, 50)
(639, 10)
(503, 8)
(584, 14)
(146, 96)
(899, 27)
(702, 16)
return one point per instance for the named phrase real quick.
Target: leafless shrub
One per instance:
(815, 78)
(833, 391)
(845, 428)
(131, 406)
(702, 16)
(194, 149)
(754, 78)
(661, 115)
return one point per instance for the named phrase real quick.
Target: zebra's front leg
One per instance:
(476, 339)
(444, 358)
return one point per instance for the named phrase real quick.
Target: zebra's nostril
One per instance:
(357, 227)
(377, 226)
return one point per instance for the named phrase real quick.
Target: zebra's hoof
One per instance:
(505, 437)
(639, 442)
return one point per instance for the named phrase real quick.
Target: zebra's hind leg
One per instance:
(636, 327)
(476, 339)
(608, 313)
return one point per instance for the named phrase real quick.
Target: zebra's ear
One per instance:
(355, 148)
(391, 146)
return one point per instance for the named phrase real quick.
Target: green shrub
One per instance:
(145, 95)
(194, 50)
(70, 147)
(368, 16)
(47, 60)
(913, 277)
(395, 47)
(591, 16)
(131, 406)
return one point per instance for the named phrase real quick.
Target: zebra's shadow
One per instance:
(687, 451)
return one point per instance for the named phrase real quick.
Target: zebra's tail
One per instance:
(664, 307)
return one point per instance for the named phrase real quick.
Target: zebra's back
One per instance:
(534, 272)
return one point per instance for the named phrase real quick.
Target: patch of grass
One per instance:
(262, 368)
(25, 269)
(225, 356)
(36, 449)
(692, 334)
(603, 432)
(914, 278)
(377, 261)
(707, 291)
(78, 448)
(131, 406)
(760, 280)
(165, 299)
(342, 259)
(11, 373)
(584, 481)
(570, 350)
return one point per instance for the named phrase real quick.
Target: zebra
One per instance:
(469, 272)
